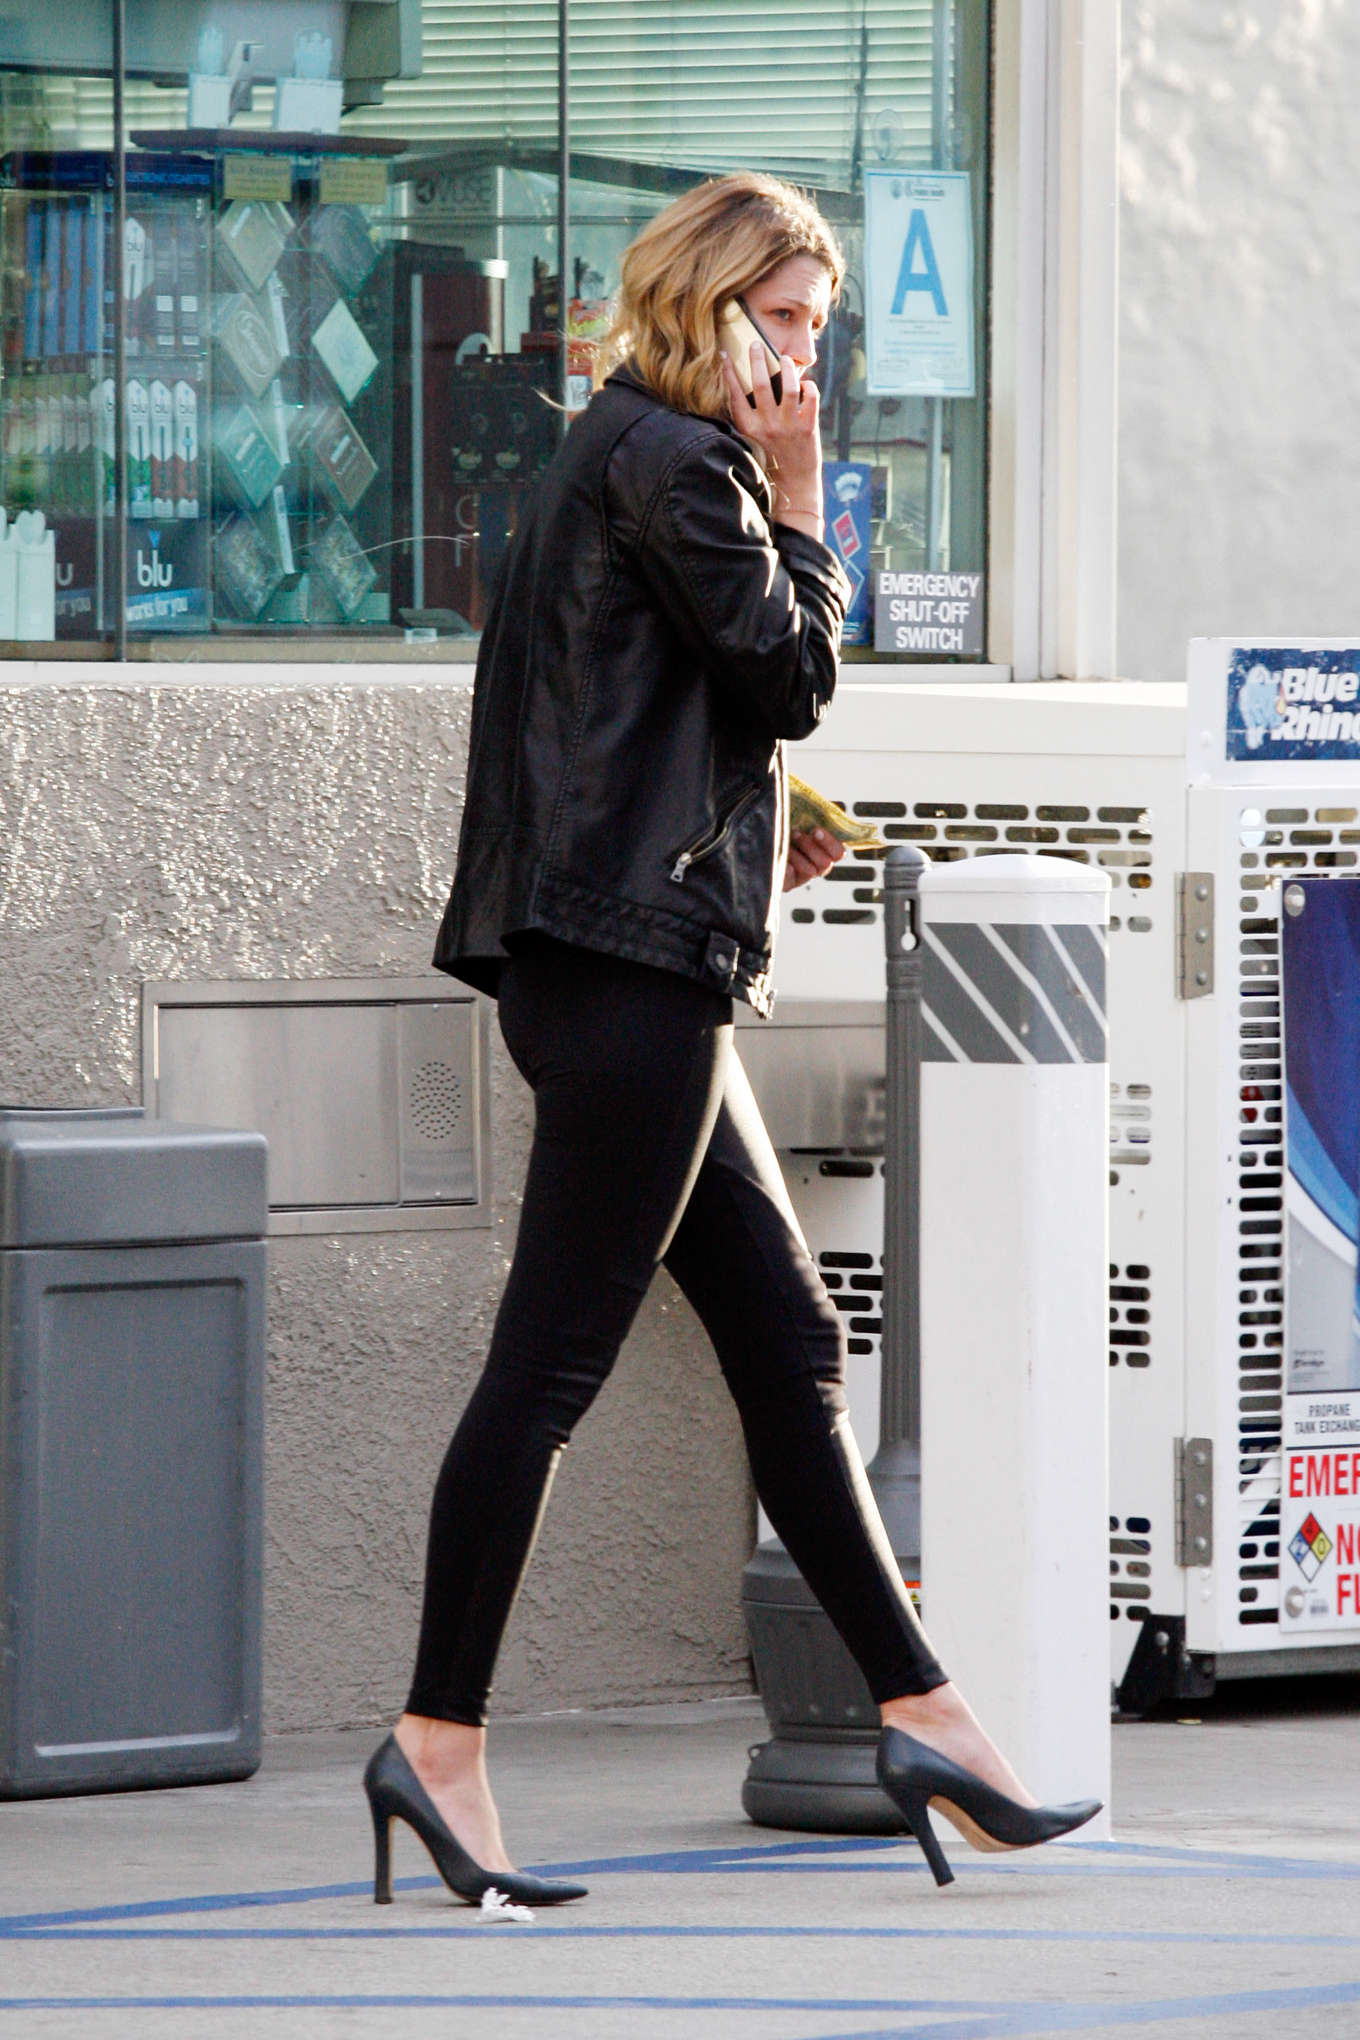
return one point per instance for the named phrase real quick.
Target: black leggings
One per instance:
(648, 1147)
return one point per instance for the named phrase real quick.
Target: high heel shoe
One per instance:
(916, 1777)
(395, 1793)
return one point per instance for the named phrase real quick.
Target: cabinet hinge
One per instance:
(1194, 1501)
(1194, 934)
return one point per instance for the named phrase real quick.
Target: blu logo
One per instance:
(153, 572)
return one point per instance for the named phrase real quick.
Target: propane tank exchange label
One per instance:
(929, 612)
(1286, 703)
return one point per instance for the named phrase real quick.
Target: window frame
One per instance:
(1053, 457)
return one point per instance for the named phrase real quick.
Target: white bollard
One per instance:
(1014, 1276)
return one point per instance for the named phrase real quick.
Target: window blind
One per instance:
(703, 85)
(697, 85)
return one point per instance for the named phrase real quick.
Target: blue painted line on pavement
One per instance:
(217, 1901)
(963, 2019)
(1234, 1858)
(1106, 1872)
(481, 1925)
(1013, 2021)
(898, 1851)
(498, 2002)
(678, 1860)
(1118, 1860)
(1123, 1859)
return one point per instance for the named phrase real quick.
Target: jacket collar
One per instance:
(628, 378)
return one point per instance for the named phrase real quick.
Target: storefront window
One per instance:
(880, 108)
(286, 361)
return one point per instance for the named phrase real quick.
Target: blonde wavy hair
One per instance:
(711, 245)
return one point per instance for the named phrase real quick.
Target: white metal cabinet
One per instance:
(1095, 773)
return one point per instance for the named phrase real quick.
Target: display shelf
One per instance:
(263, 141)
(256, 307)
(301, 326)
(58, 301)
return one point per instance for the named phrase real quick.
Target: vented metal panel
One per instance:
(839, 1202)
(855, 1280)
(1131, 1569)
(1130, 1127)
(1297, 836)
(1235, 1158)
(1118, 839)
(1130, 1315)
(1124, 813)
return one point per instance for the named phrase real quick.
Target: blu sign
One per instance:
(1285, 703)
(167, 577)
(918, 237)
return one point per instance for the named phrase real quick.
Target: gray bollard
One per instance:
(817, 1771)
(895, 1471)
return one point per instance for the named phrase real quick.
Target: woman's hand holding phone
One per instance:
(786, 426)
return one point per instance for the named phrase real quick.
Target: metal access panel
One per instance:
(818, 1073)
(372, 1093)
(1091, 773)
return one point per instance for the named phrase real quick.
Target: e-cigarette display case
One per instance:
(297, 431)
(254, 287)
(59, 300)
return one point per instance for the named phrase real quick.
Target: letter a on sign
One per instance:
(918, 248)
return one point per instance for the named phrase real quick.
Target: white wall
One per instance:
(1239, 323)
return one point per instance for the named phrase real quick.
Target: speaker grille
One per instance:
(436, 1101)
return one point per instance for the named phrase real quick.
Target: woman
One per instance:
(667, 616)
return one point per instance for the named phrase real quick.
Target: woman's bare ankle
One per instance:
(441, 1750)
(942, 1707)
(943, 1719)
(449, 1758)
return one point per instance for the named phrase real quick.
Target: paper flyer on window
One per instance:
(1320, 1485)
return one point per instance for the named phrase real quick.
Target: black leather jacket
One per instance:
(652, 639)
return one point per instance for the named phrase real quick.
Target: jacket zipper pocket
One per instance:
(714, 838)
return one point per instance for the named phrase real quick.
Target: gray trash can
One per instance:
(132, 1312)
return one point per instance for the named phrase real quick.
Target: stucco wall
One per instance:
(188, 831)
(1240, 302)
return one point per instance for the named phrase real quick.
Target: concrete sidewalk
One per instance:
(1227, 1905)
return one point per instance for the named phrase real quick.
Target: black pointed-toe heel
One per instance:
(395, 1793)
(916, 1777)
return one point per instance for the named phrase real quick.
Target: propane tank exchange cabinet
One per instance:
(1197, 844)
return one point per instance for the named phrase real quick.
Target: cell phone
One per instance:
(737, 330)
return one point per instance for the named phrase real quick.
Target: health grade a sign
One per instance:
(918, 237)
